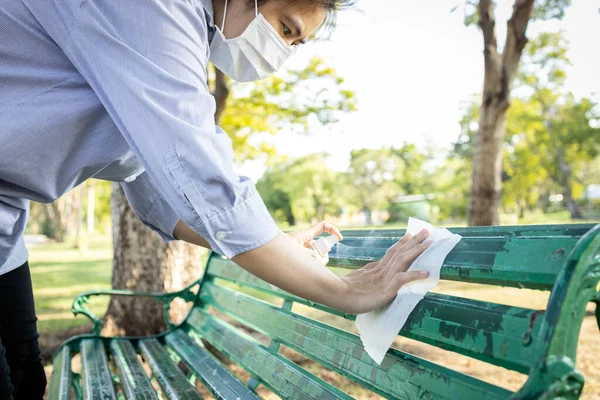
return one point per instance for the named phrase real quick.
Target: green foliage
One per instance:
(550, 9)
(550, 136)
(302, 189)
(452, 186)
(101, 206)
(469, 124)
(411, 175)
(543, 64)
(471, 15)
(306, 188)
(297, 100)
(373, 178)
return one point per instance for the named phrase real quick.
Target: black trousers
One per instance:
(22, 374)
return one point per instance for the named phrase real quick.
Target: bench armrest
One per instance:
(80, 302)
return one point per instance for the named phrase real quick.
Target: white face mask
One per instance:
(257, 53)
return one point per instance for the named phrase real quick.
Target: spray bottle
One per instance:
(325, 244)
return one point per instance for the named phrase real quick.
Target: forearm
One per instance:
(185, 233)
(285, 264)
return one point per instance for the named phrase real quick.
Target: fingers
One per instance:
(408, 241)
(323, 259)
(398, 260)
(415, 240)
(395, 247)
(412, 254)
(403, 278)
(402, 261)
(322, 227)
(332, 230)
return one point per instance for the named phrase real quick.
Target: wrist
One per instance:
(342, 291)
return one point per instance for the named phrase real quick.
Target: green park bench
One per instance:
(563, 259)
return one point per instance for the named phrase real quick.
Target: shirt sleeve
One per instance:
(150, 206)
(146, 61)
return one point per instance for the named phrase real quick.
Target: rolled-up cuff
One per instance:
(239, 229)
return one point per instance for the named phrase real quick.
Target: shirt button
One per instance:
(221, 235)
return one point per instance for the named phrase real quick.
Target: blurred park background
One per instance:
(379, 123)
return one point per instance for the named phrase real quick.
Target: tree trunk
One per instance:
(566, 173)
(91, 192)
(500, 70)
(143, 262)
(571, 205)
(79, 224)
(522, 207)
(320, 212)
(487, 166)
(291, 220)
(368, 219)
(54, 226)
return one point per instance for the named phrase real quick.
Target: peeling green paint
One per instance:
(174, 384)
(283, 377)
(96, 379)
(60, 382)
(133, 379)
(541, 343)
(221, 383)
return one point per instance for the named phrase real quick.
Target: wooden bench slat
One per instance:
(172, 381)
(97, 383)
(60, 381)
(517, 261)
(486, 331)
(134, 381)
(479, 231)
(494, 333)
(221, 383)
(524, 262)
(282, 376)
(400, 375)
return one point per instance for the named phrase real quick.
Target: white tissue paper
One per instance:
(379, 328)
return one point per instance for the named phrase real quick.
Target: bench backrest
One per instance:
(562, 259)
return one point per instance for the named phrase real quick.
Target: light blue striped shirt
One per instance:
(117, 90)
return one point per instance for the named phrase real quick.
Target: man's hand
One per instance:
(305, 238)
(377, 284)
(285, 262)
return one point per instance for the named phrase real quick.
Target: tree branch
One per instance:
(516, 39)
(492, 60)
(487, 23)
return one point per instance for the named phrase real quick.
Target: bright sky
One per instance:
(413, 64)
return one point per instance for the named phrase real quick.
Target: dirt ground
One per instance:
(587, 360)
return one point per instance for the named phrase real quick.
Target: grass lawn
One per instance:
(60, 272)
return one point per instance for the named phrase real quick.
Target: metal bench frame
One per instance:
(541, 344)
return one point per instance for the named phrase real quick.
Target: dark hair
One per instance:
(331, 6)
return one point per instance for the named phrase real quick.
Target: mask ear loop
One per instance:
(224, 15)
